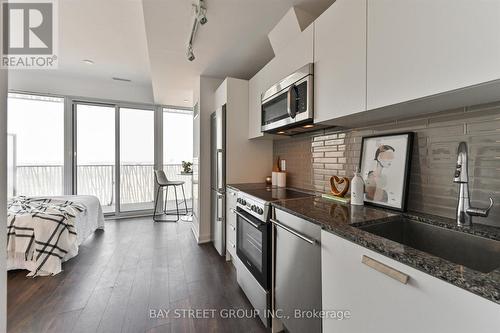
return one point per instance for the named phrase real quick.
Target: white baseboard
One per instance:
(204, 239)
(195, 232)
(199, 239)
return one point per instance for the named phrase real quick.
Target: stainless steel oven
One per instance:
(289, 102)
(252, 245)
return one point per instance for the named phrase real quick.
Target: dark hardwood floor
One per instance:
(122, 273)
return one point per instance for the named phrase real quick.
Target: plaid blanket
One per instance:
(41, 231)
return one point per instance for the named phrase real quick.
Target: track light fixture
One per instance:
(200, 17)
(190, 54)
(201, 11)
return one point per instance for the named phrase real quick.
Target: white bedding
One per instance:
(86, 223)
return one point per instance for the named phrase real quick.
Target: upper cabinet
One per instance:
(422, 48)
(340, 60)
(298, 53)
(255, 87)
(371, 56)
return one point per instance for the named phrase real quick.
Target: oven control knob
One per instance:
(260, 211)
(253, 208)
(243, 202)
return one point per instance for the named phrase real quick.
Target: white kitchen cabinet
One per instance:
(255, 89)
(298, 53)
(231, 196)
(379, 303)
(426, 47)
(340, 60)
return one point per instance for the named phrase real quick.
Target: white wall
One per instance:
(52, 82)
(204, 95)
(3, 198)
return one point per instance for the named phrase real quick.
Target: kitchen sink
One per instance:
(477, 253)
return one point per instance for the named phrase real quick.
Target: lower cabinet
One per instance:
(231, 196)
(379, 303)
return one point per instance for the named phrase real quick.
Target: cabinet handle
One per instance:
(232, 227)
(232, 211)
(384, 269)
(231, 244)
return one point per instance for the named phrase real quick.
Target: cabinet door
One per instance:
(297, 54)
(379, 303)
(340, 60)
(426, 47)
(231, 222)
(255, 88)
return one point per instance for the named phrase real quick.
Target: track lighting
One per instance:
(202, 12)
(200, 17)
(190, 54)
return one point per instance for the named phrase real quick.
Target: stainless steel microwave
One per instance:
(289, 103)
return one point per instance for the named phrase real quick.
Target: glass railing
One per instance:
(137, 182)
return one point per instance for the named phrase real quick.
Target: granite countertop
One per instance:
(343, 220)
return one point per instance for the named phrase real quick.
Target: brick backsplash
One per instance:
(314, 157)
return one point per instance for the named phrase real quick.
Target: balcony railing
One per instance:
(136, 181)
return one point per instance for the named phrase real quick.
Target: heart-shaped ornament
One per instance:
(339, 185)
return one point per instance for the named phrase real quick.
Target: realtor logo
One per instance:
(29, 36)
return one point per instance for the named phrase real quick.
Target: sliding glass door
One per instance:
(137, 147)
(95, 153)
(114, 149)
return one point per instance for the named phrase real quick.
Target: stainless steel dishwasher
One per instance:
(297, 272)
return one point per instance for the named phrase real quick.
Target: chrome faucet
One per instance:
(464, 211)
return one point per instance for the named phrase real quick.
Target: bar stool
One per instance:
(163, 183)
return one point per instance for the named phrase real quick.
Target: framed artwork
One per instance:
(385, 167)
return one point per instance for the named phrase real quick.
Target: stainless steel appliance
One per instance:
(297, 272)
(218, 178)
(289, 103)
(253, 244)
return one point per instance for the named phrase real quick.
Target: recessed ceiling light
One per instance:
(308, 126)
(88, 61)
(121, 79)
(186, 100)
(281, 132)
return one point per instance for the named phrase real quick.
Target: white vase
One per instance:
(357, 189)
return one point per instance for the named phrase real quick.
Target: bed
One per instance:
(85, 221)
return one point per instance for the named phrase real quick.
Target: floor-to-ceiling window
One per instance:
(95, 153)
(96, 148)
(35, 145)
(137, 147)
(178, 148)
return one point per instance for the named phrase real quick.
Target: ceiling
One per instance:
(145, 41)
(233, 43)
(114, 40)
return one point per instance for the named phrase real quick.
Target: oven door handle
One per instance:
(252, 223)
(293, 231)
